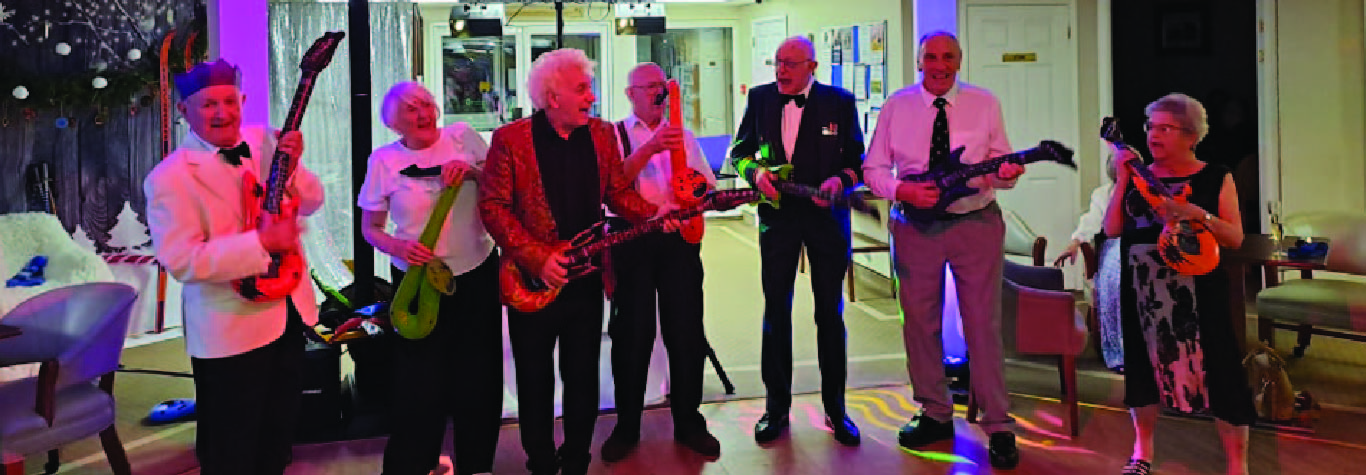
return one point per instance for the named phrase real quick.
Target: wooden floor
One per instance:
(1184, 446)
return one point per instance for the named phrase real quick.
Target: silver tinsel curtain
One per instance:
(327, 124)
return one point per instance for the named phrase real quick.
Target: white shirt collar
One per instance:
(806, 92)
(632, 121)
(951, 96)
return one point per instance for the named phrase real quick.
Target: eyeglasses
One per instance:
(654, 86)
(782, 64)
(1162, 128)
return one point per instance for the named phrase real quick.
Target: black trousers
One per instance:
(825, 235)
(574, 321)
(248, 404)
(671, 268)
(455, 373)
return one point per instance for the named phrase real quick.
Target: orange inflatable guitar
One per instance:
(689, 185)
(1188, 247)
(287, 268)
(526, 292)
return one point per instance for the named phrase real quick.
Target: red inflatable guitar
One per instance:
(689, 185)
(286, 268)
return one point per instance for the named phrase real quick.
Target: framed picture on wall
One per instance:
(1183, 29)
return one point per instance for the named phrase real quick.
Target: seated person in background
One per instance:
(1107, 275)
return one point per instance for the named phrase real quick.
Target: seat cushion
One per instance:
(82, 411)
(1330, 303)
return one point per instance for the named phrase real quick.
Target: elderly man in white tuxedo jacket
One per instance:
(247, 356)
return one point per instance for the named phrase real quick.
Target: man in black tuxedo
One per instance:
(814, 127)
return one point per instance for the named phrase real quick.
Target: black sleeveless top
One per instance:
(1141, 222)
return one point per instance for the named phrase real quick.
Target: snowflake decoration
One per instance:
(5, 14)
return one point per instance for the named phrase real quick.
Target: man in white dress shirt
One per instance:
(661, 265)
(247, 356)
(916, 129)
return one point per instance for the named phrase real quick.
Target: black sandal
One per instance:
(1138, 467)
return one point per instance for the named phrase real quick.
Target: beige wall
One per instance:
(1088, 151)
(1322, 89)
(810, 16)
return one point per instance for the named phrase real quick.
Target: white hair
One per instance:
(1188, 111)
(547, 70)
(807, 46)
(406, 92)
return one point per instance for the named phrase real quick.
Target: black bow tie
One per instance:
(235, 155)
(413, 171)
(798, 98)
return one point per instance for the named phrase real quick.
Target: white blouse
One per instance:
(1091, 222)
(464, 243)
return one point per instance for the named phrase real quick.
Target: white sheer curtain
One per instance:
(327, 124)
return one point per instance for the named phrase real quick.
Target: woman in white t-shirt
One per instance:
(456, 371)
(1106, 282)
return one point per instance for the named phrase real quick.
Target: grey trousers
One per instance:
(972, 247)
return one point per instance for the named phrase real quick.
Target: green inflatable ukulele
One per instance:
(427, 282)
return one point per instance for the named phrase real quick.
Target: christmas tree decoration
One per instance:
(62, 122)
(128, 234)
(99, 82)
(99, 66)
(134, 54)
(20, 92)
(63, 49)
(82, 239)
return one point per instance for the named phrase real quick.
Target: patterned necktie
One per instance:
(939, 141)
(235, 155)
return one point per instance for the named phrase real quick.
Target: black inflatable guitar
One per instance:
(952, 176)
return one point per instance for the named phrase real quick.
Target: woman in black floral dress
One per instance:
(1179, 345)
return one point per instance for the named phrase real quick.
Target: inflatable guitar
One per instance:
(286, 268)
(952, 176)
(1188, 247)
(427, 282)
(525, 292)
(784, 185)
(689, 185)
(849, 198)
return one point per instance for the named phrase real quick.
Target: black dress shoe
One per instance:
(922, 431)
(543, 466)
(619, 445)
(574, 464)
(1004, 455)
(700, 441)
(845, 431)
(769, 428)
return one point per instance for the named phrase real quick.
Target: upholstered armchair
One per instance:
(1040, 317)
(1332, 306)
(1022, 241)
(76, 333)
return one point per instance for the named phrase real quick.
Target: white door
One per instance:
(1026, 56)
(768, 33)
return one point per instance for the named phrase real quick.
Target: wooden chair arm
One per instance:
(1040, 244)
(1088, 258)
